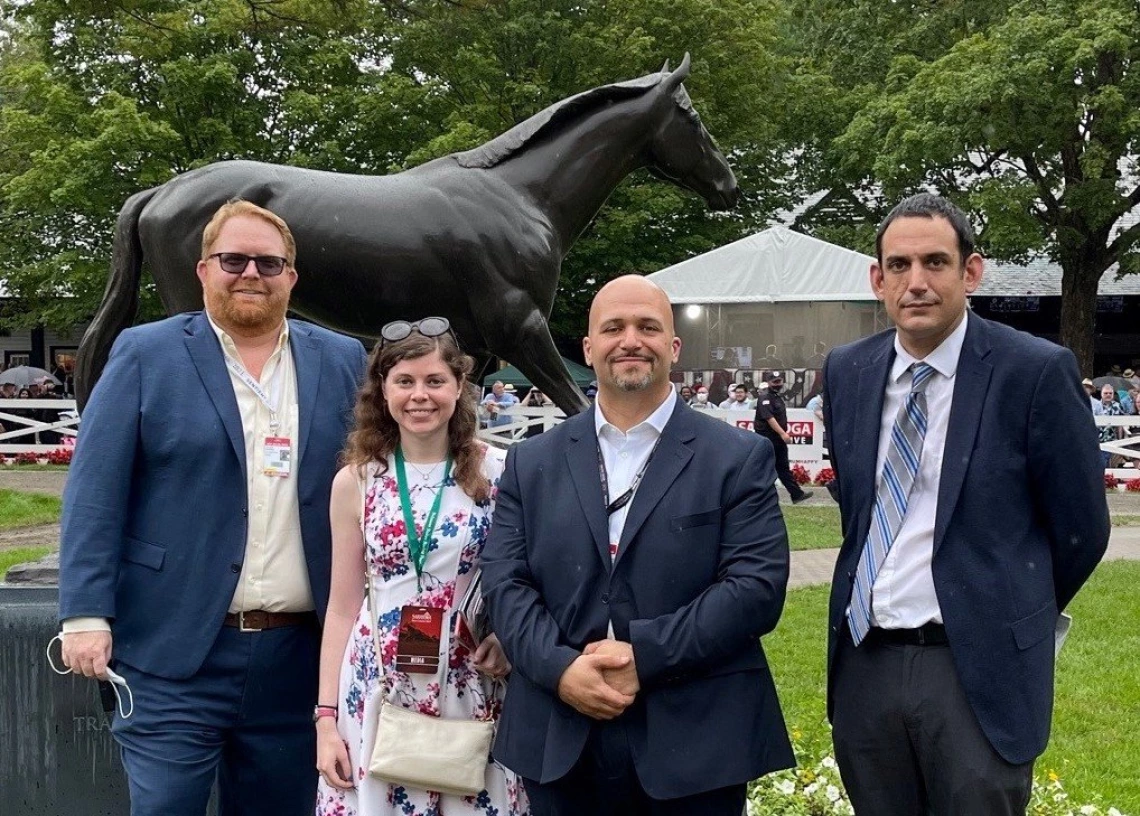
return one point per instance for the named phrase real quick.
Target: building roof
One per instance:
(1041, 277)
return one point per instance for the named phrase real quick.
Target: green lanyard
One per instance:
(417, 544)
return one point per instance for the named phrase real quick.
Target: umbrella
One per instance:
(23, 376)
(1117, 383)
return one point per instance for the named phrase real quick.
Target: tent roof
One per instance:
(581, 375)
(771, 266)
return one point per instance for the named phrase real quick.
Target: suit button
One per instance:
(245, 512)
(605, 599)
(235, 567)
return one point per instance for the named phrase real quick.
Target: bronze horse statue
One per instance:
(477, 237)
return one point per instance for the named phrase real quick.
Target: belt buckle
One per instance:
(242, 627)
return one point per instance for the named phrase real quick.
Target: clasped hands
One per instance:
(602, 681)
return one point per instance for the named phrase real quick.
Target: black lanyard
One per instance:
(625, 498)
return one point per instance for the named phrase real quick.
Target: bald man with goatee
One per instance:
(195, 550)
(637, 555)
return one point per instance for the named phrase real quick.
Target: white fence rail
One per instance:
(26, 433)
(23, 433)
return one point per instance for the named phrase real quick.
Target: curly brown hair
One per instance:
(376, 433)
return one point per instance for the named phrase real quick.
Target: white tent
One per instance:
(776, 265)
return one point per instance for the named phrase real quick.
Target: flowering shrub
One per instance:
(1110, 481)
(824, 477)
(27, 458)
(59, 456)
(800, 474)
(815, 789)
(1133, 485)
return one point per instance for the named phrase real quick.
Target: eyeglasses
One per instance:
(235, 263)
(428, 327)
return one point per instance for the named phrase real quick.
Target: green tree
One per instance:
(1024, 113)
(99, 100)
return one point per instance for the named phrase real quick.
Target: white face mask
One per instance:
(115, 679)
(702, 396)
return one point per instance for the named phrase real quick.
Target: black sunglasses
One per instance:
(428, 327)
(268, 266)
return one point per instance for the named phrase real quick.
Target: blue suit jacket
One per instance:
(154, 513)
(1021, 523)
(700, 574)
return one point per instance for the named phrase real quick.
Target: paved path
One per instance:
(811, 567)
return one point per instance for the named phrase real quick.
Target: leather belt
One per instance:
(257, 619)
(930, 634)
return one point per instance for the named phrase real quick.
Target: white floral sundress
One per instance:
(458, 542)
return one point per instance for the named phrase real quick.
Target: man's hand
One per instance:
(583, 686)
(786, 437)
(490, 659)
(623, 679)
(87, 653)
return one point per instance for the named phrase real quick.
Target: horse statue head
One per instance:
(682, 151)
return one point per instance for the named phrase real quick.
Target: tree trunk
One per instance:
(1078, 311)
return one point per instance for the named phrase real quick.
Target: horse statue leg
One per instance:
(531, 348)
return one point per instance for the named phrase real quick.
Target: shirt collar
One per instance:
(943, 359)
(657, 420)
(228, 343)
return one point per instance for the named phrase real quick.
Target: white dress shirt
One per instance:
(903, 596)
(624, 454)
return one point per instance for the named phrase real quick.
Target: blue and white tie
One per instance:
(891, 498)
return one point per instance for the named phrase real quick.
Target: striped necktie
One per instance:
(891, 498)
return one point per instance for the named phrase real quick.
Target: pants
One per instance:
(604, 783)
(908, 743)
(783, 468)
(245, 719)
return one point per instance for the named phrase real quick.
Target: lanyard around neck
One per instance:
(626, 497)
(271, 404)
(418, 543)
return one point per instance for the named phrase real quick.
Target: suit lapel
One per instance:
(582, 458)
(307, 363)
(971, 382)
(206, 352)
(868, 423)
(664, 467)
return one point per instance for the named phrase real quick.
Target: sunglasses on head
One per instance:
(428, 327)
(235, 263)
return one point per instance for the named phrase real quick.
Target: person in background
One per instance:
(1109, 406)
(496, 403)
(686, 394)
(701, 399)
(1094, 396)
(737, 399)
(771, 422)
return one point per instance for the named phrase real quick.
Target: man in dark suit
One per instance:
(196, 531)
(973, 511)
(637, 555)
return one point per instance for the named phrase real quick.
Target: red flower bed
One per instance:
(59, 456)
(825, 477)
(800, 474)
(1110, 481)
(27, 458)
(1133, 485)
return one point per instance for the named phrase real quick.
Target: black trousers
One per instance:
(604, 783)
(908, 743)
(783, 468)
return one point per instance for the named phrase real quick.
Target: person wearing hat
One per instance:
(1094, 396)
(496, 403)
(1130, 374)
(771, 422)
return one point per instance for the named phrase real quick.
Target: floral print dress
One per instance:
(455, 548)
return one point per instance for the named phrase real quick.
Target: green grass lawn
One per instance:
(812, 527)
(9, 558)
(1096, 721)
(24, 509)
(1125, 521)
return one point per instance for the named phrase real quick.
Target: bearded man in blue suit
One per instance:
(195, 546)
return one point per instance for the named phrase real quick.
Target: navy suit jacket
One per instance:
(700, 575)
(1022, 519)
(155, 510)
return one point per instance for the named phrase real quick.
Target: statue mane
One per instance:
(504, 146)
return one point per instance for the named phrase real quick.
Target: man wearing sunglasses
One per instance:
(195, 549)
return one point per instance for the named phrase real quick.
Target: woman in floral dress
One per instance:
(416, 402)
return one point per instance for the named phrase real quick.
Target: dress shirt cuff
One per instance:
(86, 625)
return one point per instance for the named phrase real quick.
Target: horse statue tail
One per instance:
(120, 298)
